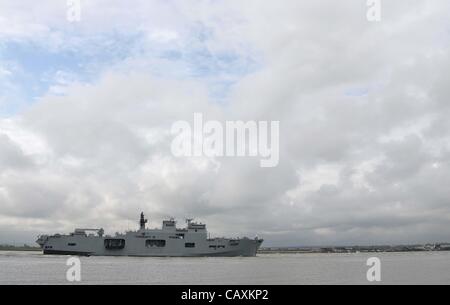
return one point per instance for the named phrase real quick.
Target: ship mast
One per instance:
(143, 221)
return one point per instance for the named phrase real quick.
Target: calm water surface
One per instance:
(397, 268)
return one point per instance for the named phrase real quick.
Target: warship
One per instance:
(168, 241)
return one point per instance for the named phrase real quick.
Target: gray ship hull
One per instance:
(166, 242)
(95, 246)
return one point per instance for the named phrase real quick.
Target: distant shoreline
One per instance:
(358, 249)
(308, 250)
(13, 248)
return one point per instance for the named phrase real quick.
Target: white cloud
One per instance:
(353, 168)
(163, 36)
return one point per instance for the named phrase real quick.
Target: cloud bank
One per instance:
(86, 110)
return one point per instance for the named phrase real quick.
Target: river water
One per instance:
(396, 268)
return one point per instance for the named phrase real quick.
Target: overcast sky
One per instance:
(86, 110)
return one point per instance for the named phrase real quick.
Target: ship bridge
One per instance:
(194, 226)
(169, 225)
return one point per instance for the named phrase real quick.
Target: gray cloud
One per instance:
(369, 166)
(11, 156)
